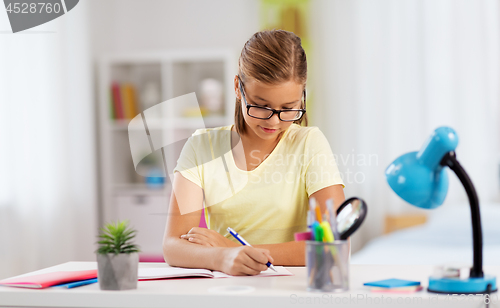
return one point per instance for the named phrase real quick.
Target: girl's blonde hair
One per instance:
(271, 57)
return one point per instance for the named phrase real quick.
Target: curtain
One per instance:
(47, 147)
(387, 73)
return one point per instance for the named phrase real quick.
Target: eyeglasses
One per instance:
(264, 113)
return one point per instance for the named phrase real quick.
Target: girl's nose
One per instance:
(274, 120)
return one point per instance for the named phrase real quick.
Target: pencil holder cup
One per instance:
(327, 266)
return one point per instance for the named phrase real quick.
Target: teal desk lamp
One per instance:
(420, 179)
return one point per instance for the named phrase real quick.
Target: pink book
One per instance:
(117, 101)
(49, 279)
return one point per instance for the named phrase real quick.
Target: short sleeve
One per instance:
(188, 164)
(321, 167)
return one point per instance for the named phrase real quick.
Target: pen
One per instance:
(316, 209)
(327, 232)
(245, 243)
(333, 218)
(317, 232)
(310, 219)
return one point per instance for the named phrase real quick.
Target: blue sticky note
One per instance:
(392, 283)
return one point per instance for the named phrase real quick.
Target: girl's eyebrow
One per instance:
(260, 98)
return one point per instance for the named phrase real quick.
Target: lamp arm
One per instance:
(450, 160)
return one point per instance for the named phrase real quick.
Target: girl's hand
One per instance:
(208, 237)
(244, 260)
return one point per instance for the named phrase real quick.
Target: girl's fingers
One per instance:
(249, 271)
(258, 255)
(198, 241)
(248, 266)
(187, 236)
(198, 230)
(254, 265)
(269, 257)
(204, 231)
(267, 253)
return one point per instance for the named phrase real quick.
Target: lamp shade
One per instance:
(418, 177)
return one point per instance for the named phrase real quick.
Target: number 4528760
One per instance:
(33, 8)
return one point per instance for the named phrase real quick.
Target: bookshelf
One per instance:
(155, 77)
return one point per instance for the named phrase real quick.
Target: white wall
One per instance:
(47, 145)
(392, 72)
(130, 25)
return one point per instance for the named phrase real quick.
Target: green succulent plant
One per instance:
(117, 238)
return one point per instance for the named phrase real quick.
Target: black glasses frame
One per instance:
(270, 109)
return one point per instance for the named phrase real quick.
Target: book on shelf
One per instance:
(112, 114)
(129, 101)
(124, 104)
(117, 101)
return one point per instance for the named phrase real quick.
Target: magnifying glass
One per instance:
(350, 216)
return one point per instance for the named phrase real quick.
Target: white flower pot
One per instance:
(117, 271)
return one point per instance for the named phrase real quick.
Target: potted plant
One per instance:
(117, 257)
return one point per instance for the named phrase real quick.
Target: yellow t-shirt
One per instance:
(266, 205)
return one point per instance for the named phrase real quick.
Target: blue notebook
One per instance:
(392, 283)
(77, 283)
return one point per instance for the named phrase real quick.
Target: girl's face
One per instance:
(287, 95)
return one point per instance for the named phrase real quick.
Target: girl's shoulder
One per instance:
(302, 133)
(212, 129)
(211, 140)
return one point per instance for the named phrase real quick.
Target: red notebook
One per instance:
(50, 279)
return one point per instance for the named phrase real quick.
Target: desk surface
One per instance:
(239, 292)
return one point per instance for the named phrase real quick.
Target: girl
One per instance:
(257, 175)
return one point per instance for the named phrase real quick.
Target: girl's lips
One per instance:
(267, 130)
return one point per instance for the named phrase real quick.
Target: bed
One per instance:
(446, 238)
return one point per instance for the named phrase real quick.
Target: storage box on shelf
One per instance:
(133, 83)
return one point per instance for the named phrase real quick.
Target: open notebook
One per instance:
(179, 272)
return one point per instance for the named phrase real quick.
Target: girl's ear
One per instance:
(236, 87)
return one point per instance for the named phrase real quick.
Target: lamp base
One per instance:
(462, 286)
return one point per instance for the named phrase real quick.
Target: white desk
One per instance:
(260, 292)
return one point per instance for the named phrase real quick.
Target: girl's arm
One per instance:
(287, 254)
(336, 192)
(184, 214)
(293, 253)
(174, 252)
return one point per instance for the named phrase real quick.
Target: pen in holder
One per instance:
(327, 266)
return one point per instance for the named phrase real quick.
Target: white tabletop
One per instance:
(239, 292)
